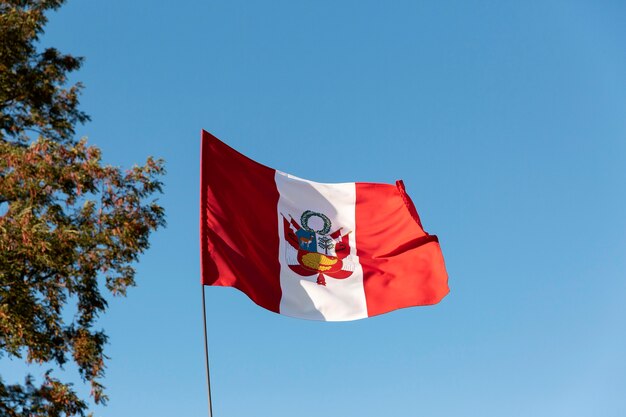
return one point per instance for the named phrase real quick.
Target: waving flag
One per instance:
(316, 251)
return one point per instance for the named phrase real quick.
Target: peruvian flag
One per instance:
(315, 251)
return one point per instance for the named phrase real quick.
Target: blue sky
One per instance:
(506, 121)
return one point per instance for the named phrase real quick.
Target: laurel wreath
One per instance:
(304, 221)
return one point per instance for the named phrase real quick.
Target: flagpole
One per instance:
(206, 352)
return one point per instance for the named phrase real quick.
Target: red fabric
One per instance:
(239, 224)
(402, 265)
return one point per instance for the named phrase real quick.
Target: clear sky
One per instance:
(507, 123)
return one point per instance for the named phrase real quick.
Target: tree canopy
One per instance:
(71, 227)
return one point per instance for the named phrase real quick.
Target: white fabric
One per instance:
(302, 297)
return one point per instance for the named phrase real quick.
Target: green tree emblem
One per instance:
(326, 243)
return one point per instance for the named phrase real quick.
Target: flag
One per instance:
(311, 250)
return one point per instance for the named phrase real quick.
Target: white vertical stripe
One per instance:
(303, 297)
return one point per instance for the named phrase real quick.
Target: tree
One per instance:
(70, 226)
(326, 243)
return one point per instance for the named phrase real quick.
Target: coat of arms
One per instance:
(314, 249)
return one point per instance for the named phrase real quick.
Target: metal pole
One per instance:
(206, 353)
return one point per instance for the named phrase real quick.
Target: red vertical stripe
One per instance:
(402, 265)
(239, 223)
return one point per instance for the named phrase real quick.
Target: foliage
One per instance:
(69, 225)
